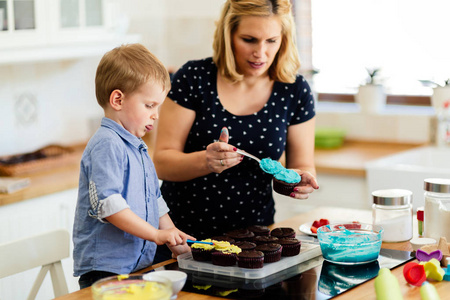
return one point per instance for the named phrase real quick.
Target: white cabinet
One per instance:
(31, 217)
(40, 30)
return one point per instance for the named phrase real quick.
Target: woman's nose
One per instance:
(258, 50)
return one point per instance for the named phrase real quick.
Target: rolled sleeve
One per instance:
(111, 205)
(162, 207)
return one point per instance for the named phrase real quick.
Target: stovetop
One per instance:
(314, 279)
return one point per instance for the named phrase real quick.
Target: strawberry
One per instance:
(313, 229)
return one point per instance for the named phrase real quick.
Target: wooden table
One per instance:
(364, 291)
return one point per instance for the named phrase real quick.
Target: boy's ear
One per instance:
(115, 99)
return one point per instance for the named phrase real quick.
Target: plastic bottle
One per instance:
(428, 292)
(386, 286)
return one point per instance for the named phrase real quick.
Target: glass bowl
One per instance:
(129, 287)
(350, 243)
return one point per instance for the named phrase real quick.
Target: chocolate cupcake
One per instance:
(283, 232)
(202, 252)
(259, 240)
(250, 259)
(283, 187)
(245, 245)
(272, 252)
(225, 254)
(259, 230)
(291, 247)
(241, 235)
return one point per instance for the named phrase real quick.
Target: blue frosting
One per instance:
(281, 173)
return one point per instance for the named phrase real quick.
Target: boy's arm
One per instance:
(128, 221)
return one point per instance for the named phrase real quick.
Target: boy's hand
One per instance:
(180, 249)
(171, 237)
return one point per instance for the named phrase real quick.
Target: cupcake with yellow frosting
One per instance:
(202, 252)
(225, 254)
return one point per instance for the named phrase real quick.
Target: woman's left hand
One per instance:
(306, 186)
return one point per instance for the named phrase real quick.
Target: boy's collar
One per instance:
(123, 133)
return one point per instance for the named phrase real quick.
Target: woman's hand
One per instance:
(306, 186)
(220, 155)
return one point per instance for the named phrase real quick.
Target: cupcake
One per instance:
(272, 252)
(259, 230)
(284, 180)
(241, 235)
(283, 232)
(202, 252)
(258, 240)
(245, 245)
(225, 254)
(250, 259)
(290, 246)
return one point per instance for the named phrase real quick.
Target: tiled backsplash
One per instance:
(46, 103)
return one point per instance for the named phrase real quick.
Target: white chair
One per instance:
(46, 250)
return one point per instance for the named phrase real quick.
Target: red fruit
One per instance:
(324, 222)
(316, 224)
(313, 229)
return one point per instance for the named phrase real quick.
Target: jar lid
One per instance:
(392, 197)
(437, 185)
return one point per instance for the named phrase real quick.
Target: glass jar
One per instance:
(437, 208)
(392, 210)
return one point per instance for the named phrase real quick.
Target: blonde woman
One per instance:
(250, 95)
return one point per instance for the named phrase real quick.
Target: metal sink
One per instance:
(408, 169)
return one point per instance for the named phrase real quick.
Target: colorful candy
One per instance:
(433, 269)
(422, 255)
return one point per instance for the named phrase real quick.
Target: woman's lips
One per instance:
(256, 65)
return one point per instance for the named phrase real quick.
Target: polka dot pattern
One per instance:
(242, 195)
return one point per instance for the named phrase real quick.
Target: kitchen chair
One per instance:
(46, 250)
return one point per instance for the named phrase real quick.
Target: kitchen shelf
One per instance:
(63, 51)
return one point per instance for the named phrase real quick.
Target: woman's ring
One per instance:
(221, 162)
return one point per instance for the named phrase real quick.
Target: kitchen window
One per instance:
(406, 39)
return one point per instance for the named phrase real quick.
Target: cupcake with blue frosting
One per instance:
(284, 180)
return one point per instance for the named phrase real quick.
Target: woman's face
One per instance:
(256, 42)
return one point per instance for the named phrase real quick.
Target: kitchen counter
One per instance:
(347, 160)
(363, 291)
(351, 158)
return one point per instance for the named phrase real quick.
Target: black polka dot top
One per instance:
(242, 195)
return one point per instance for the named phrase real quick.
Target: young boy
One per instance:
(121, 215)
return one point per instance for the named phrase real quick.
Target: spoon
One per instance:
(248, 155)
(199, 242)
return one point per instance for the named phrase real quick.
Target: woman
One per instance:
(251, 89)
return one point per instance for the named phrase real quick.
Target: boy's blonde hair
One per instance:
(126, 68)
(286, 63)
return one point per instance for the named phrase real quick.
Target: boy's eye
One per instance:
(149, 105)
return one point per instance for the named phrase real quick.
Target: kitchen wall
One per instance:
(53, 102)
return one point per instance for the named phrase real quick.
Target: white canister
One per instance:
(437, 208)
(392, 210)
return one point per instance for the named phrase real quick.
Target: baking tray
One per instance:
(43, 159)
(307, 251)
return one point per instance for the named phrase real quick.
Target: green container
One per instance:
(329, 138)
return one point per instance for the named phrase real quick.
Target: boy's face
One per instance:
(140, 108)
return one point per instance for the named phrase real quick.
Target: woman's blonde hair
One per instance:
(286, 63)
(126, 68)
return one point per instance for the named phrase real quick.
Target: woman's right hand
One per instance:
(220, 155)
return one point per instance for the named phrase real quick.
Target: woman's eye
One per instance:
(272, 41)
(248, 40)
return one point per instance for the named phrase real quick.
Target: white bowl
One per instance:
(178, 279)
(418, 242)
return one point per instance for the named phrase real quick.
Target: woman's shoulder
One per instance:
(300, 84)
(199, 65)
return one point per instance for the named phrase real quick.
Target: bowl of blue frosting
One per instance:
(350, 243)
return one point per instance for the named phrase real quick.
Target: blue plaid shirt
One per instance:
(116, 173)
